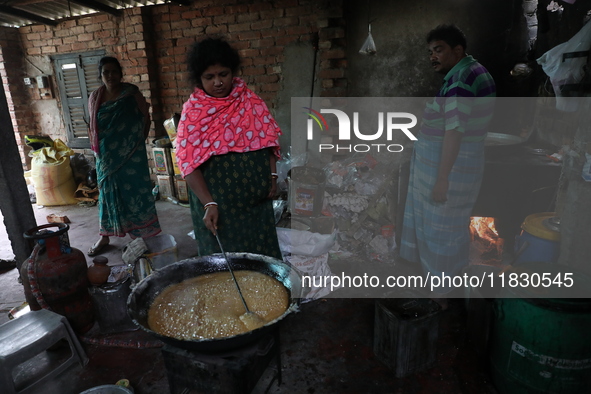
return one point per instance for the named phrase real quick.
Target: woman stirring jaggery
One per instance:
(227, 147)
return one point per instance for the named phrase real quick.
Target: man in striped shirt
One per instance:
(448, 159)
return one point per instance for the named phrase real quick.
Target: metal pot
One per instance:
(145, 292)
(499, 144)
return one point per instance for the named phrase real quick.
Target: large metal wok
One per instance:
(145, 292)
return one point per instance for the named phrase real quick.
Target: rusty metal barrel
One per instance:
(55, 276)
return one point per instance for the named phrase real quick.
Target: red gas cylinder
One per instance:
(55, 277)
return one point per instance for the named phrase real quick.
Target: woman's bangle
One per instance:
(274, 175)
(210, 204)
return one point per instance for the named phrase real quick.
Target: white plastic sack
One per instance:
(570, 70)
(313, 267)
(304, 243)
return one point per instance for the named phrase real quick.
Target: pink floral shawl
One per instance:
(240, 122)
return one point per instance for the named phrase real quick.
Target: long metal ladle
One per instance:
(250, 319)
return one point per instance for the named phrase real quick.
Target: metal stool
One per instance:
(29, 335)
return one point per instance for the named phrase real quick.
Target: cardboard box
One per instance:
(182, 188)
(165, 186)
(162, 161)
(175, 165)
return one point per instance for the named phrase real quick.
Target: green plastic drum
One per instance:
(542, 345)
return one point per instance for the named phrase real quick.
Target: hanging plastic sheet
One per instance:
(369, 46)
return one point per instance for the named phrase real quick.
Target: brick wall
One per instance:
(152, 42)
(17, 96)
(260, 30)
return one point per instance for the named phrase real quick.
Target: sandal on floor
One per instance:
(94, 250)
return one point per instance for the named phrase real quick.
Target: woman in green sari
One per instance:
(119, 125)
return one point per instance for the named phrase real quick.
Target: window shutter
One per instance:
(77, 77)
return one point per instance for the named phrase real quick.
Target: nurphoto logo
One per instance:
(394, 122)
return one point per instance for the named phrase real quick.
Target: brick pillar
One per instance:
(17, 95)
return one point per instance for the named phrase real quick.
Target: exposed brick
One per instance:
(236, 9)
(333, 54)
(91, 28)
(200, 22)
(64, 48)
(259, 61)
(271, 87)
(110, 41)
(327, 83)
(185, 42)
(285, 3)
(238, 45)
(272, 13)
(245, 62)
(37, 28)
(274, 70)
(264, 24)
(331, 32)
(260, 6)
(248, 17)
(268, 78)
(212, 11)
(108, 25)
(183, 24)
(249, 52)
(286, 40)
(249, 35)
(297, 30)
(239, 27)
(79, 46)
(33, 36)
(99, 35)
(48, 49)
(134, 37)
(216, 29)
(282, 22)
(191, 14)
(297, 11)
(85, 37)
(334, 73)
(77, 30)
(34, 51)
(272, 33)
(271, 51)
(253, 71)
(226, 18)
(263, 44)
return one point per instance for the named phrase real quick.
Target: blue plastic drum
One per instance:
(539, 238)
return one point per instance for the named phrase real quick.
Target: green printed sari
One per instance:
(240, 184)
(126, 204)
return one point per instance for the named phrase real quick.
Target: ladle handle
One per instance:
(232, 272)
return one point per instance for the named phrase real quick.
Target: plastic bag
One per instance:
(369, 46)
(566, 71)
(304, 243)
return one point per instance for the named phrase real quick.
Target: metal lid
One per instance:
(542, 225)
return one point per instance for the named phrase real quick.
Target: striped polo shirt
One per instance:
(465, 102)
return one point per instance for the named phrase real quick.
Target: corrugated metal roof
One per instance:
(17, 13)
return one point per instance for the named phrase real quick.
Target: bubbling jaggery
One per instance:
(208, 306)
